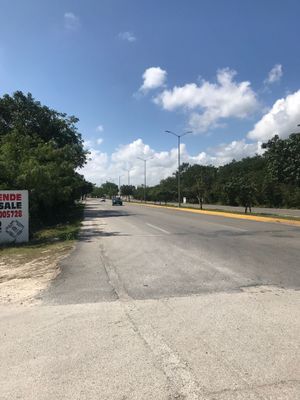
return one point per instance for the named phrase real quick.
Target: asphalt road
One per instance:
(156, 253)
(158, 304)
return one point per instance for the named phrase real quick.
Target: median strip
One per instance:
(226, 214)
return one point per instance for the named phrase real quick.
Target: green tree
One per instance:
(110, 189)
(127, 190)
(139, 193)
(197, 182)
(98, 191)
(41, 151)
(168, 189)
(283, 159)
(246, 194)
(231, 190)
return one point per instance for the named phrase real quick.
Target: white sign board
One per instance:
(14, 216)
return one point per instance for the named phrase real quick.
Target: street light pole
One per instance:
(128, 176)
(128, 181)
(120, 184)
(178, 153)
(145, 173)
(178, 150)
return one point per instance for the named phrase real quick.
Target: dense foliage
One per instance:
(108, 189)
(271, 180)
(41, 151)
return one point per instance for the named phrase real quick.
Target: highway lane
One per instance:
(155, 253)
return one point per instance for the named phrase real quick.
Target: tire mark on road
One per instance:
(113, 277)
(182, 384)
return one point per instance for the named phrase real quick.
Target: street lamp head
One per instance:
(186, 133)
(175, 134)
(172, 133)
(145, 159)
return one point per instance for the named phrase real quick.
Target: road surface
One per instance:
(162, 304)
(160, 253)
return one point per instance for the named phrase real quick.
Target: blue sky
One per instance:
(227, 70)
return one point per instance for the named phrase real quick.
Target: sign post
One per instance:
(14, 216)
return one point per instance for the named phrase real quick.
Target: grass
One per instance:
(266, 215)
(57, 238)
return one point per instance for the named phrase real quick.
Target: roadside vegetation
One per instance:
(268, 180)
(41, 151)
(61, 235)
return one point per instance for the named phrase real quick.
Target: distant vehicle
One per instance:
(117, 201)
(102, 199)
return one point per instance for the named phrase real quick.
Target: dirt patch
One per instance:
(24, 272)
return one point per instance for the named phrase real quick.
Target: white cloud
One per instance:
(129, 152)
(96, 166)
(99, 141)
(87, 144)
(281, 119)
(275, 74)
(127, 36)
(154, 78)
(237, 150)
(72, 22)
(100, 128)
(208, 102)
(161, 164)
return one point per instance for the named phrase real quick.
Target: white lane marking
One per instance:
(158, 228)
(229, 227)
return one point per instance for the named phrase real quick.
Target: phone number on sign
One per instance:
(11, 214)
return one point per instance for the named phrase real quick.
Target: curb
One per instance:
(226, 214)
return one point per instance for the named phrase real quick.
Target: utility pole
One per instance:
(145, 173)
(178, 177)
(120, 184)
(128, 182)
(128, 176)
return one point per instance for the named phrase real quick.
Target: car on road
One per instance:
(102, 199)
(117, 201)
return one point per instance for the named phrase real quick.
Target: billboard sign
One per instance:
(14, 216)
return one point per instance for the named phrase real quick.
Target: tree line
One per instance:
(269, 180)
(41, 150)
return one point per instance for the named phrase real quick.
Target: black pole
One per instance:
(145, 182)
(179, 199)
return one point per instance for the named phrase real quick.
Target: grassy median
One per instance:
(228, 213)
